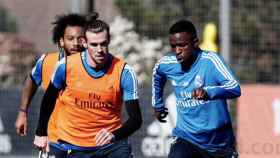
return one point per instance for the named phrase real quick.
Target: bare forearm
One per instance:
(28, 91)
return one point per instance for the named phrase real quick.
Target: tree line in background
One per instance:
(17, 55)
(254, 30)
(140, 36)
(7, 23)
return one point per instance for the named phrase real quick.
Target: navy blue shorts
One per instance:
(118, 149)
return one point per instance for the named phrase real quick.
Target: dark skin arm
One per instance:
(28, 91)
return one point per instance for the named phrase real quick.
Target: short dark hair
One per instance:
(96, 25)
(183, 26)
(63, 21)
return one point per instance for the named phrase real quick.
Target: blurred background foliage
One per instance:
(153, 18)
(143, 26)
(7, 22)
(139, 34)
(254, 26)
(17, 54)
(254, 30)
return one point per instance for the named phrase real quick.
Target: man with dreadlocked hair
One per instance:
(95, 84)
(67, 35)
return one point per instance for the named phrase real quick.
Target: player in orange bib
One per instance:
(67, 33)
(95, 84)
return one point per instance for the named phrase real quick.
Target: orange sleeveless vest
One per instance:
(90, 104)
(47, 70)
(48, 67)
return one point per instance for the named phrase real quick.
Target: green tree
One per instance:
(152, 18)
(254, 29)
(7, 23)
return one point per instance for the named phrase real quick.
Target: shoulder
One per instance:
(117, 60)
(60, 66)
(211, 57)
(128, 73)
(74, 59)
(51, 56)
(52, 53)
(128, 68)
(41, 58)
(61, 62)
(74, 56)
(128, 77)
(39, 61)
(169, 58)
(166, 63)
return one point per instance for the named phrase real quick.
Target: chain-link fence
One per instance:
(254, 51)
(254, 29)
(254, 34)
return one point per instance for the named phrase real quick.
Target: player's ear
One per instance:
(61, 42)
(84, 44)
(83, 41)
(195, 42)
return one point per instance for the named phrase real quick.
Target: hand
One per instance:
(41, 142)
(199, 94)
(104, 137)
(21, 123)
(161, 115)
